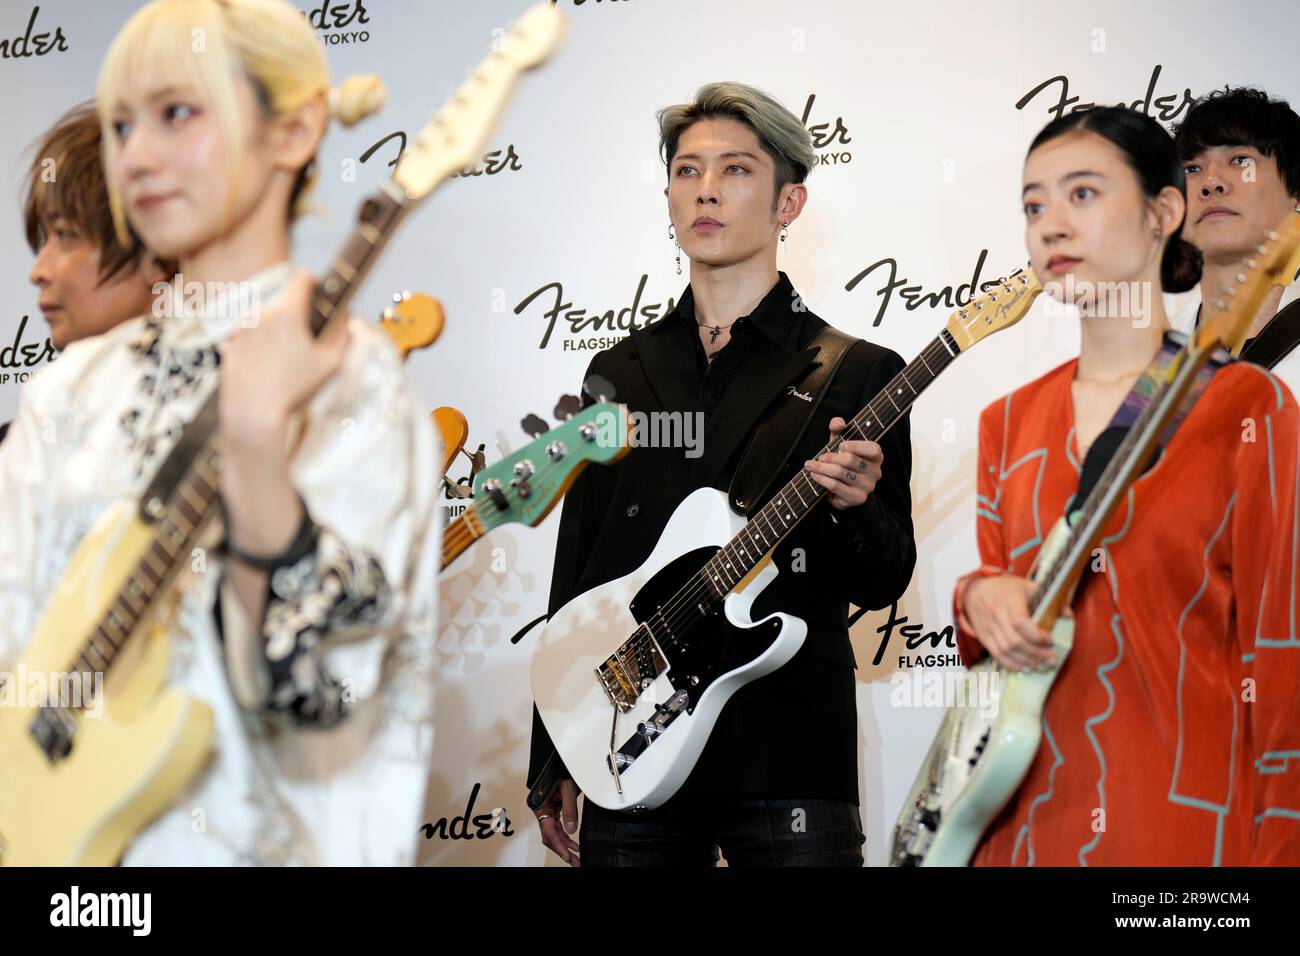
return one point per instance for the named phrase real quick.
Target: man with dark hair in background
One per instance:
(87, 281)
(1241, 150)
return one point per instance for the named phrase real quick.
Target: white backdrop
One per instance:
(922, 112)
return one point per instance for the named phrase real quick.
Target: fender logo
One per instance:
(791, 390)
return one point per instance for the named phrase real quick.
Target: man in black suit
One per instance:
(777, 781)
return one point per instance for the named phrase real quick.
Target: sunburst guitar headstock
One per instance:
(999, 308)
(1274, 262)
(413, 321)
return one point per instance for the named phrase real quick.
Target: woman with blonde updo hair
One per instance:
(317, 601)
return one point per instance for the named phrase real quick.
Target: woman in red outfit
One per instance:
(1172, 733)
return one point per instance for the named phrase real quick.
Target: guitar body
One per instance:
(126, 764)
(980, 755)
(712, 660)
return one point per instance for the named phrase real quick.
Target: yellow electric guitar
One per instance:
(76, 785)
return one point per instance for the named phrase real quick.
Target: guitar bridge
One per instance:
(649, 731)
(631, 669)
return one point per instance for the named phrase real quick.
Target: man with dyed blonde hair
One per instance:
(777, 782)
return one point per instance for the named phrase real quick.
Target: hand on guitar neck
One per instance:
(849, 474)
(996, 610)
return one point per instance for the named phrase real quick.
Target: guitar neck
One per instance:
(738, 558)
(378, 219)
(462, 531)
(1055, 584)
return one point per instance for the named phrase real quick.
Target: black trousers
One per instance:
(691, 829)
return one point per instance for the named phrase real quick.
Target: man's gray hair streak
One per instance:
(779, 131)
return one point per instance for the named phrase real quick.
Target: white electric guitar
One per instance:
(630, 677)
(985, 747)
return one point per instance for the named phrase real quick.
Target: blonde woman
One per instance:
(310, 634)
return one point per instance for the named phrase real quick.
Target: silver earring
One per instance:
(673, 237)
(1157, 234)
(785, 232)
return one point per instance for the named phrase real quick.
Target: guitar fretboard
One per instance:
(462, 531)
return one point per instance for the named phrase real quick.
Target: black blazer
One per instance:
(764, 745)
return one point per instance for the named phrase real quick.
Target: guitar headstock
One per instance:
(530, 481)
(1274, 262)
(452, 429)
(412, 321)
(457, 134)
(995, 310)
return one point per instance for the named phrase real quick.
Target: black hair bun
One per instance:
(1180, 269)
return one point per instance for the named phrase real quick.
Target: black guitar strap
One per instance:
(777, 437)
(1278, 339)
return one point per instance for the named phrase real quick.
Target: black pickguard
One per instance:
(703, 647)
